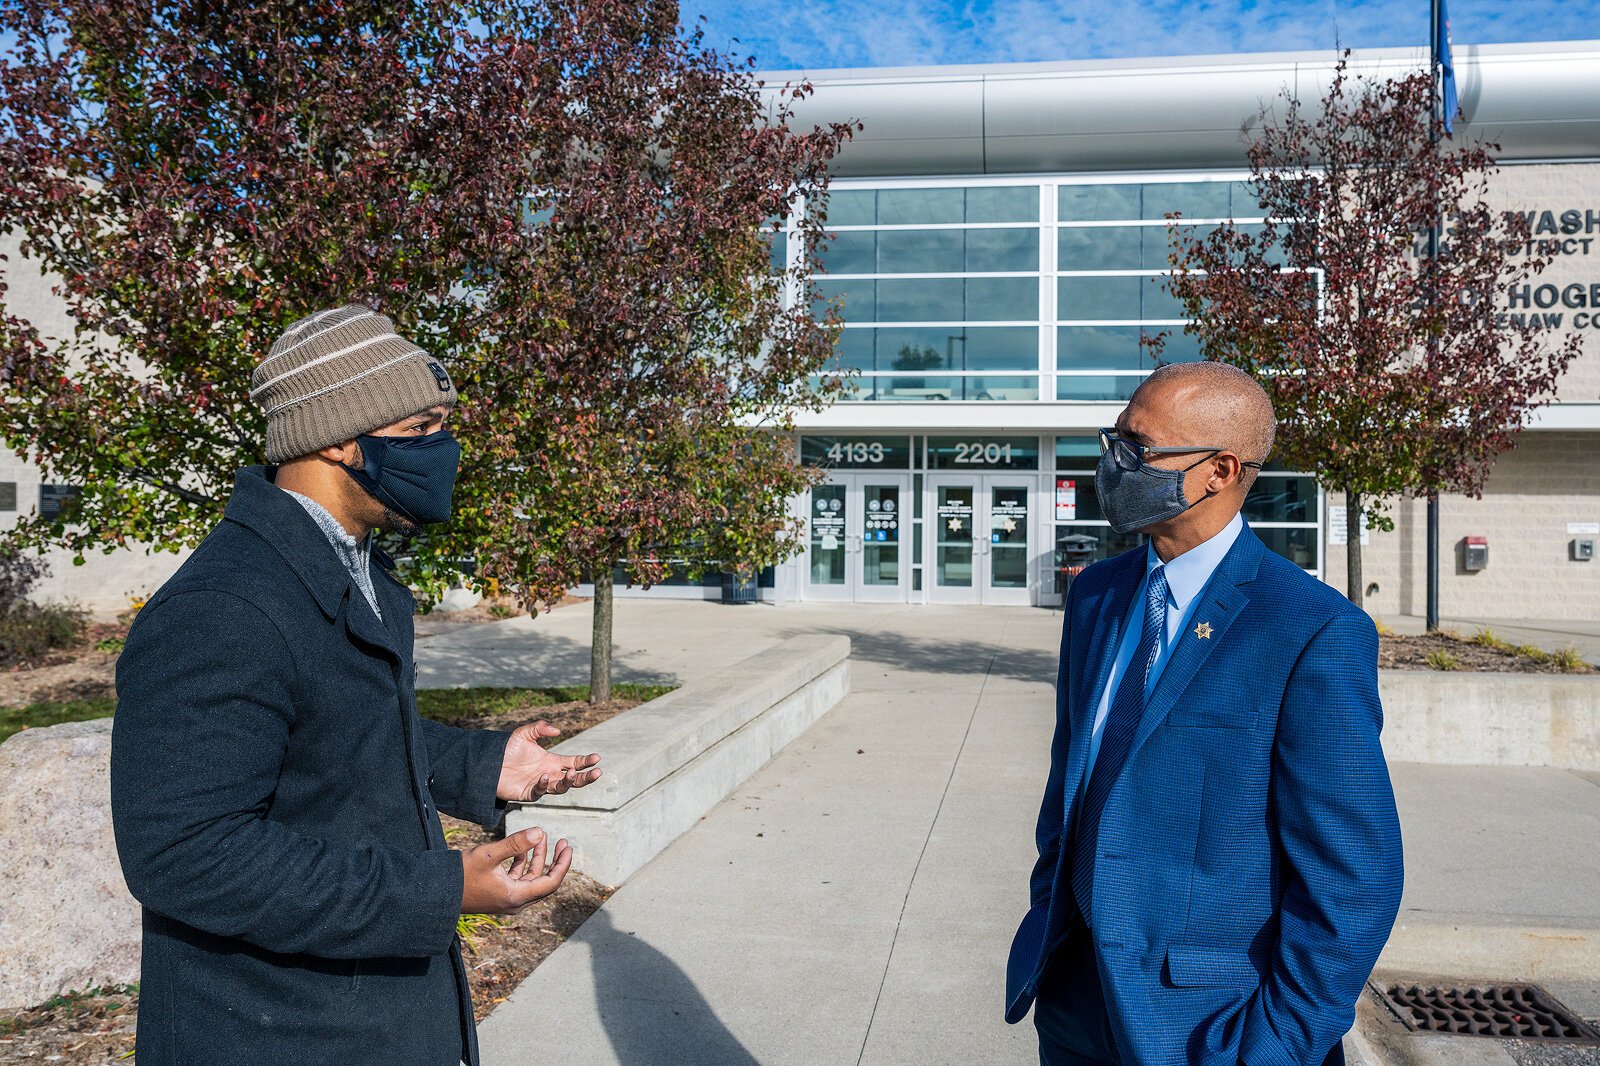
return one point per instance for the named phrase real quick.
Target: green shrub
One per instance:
(29, 631)
(1533, 652)
(110, 645)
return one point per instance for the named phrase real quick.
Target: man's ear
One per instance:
(1227, 472)
(344, 453)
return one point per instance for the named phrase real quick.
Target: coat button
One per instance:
(430, 780)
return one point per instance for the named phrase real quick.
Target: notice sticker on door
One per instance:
(1066, 499)
(829, 542)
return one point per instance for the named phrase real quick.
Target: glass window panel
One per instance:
(1276, 255)
(1281, 499)
(1192, 199)
(1088, 298)
(910, 207)
(1100, 247)
(999, 299)
(972, 348)
(1008, 537)
(848, 253)
(919, 300)
(1098, 203)
(1180, 347)
(853, 350)
(899, 387)
(1098, 543)
(826, 531)
(856, 299)
(778, 251)
(1242, 201)
(953, 531)
(1299, 546)
(880, 535)
(852, 207)
(1003, 203)
(1100, 348)
(931, 251)
(1077, 453)
(1002, 249)
(1158, 302)
(1097, 386)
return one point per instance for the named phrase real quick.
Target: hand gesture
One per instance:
(530, 771)
(488, 887)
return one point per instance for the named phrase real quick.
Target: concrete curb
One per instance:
(671, 760)
(1512, 948)
(1490, 719)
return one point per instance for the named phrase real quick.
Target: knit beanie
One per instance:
(340, 373)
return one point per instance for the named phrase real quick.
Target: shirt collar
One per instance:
(1189, 572)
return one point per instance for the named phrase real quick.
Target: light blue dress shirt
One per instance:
(1187, 576)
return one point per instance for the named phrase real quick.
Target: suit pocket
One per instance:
(1209, 968)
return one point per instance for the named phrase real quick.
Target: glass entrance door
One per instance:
(980, 536)
(857, 539)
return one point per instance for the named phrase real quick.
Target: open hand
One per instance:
(530, 771)
(488, 887)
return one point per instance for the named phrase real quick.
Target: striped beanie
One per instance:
(340, 373)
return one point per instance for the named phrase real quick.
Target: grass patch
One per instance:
(1440, 659)
(449, 704)
(16, 719)
(1383, 630)
(1569, 660)
(1485, 638)
(1532, 652)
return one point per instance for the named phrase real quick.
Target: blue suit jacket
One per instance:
(1249, 869)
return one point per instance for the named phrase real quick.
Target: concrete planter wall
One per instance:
(669, 761)
(1491, 719)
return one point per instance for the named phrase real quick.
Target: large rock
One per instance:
(66, 919)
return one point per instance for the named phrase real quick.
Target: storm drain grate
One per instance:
(1523, 1012)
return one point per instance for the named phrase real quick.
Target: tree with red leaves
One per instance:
(655, 343)
(1392, 372)
(589, 215)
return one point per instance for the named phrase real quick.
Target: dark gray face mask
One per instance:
(1138, 499)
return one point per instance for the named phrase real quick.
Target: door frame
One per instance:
(854, 588)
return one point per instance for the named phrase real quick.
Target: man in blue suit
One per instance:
(1219, 854)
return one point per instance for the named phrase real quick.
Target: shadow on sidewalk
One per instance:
(652, 1012)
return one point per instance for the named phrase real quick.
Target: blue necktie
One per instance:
(1122, 723)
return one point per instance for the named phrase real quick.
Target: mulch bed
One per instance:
(1453, 651)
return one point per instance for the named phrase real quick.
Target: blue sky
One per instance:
(801, 34)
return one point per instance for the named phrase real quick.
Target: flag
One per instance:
(1446, 64)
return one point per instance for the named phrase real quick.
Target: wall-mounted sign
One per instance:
(983, 453)
(856, 453)
(1066, 499)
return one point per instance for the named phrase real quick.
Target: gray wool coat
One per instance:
(275, 798)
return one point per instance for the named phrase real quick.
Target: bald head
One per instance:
(1215, 403)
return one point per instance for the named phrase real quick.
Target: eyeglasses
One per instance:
(1130, 455)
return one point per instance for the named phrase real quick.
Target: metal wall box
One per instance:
(1474, 554)
(1583, 549)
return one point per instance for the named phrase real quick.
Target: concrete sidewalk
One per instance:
(853, 902)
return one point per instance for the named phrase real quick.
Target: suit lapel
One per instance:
(1220, 603)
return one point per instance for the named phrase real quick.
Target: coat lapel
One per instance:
(1220, 603)
(1103, 621)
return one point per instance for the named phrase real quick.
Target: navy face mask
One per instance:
(1141, 498)
(412, 476)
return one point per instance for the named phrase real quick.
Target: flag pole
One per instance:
(1433, 258)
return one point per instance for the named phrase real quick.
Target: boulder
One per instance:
(67, 921)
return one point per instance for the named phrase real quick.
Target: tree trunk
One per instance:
(1354, 522)
(600, 650)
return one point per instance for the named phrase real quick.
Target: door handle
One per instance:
(852, 544)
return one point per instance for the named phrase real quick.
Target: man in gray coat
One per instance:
(275, 793)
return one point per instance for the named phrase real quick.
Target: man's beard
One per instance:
(395, 522)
